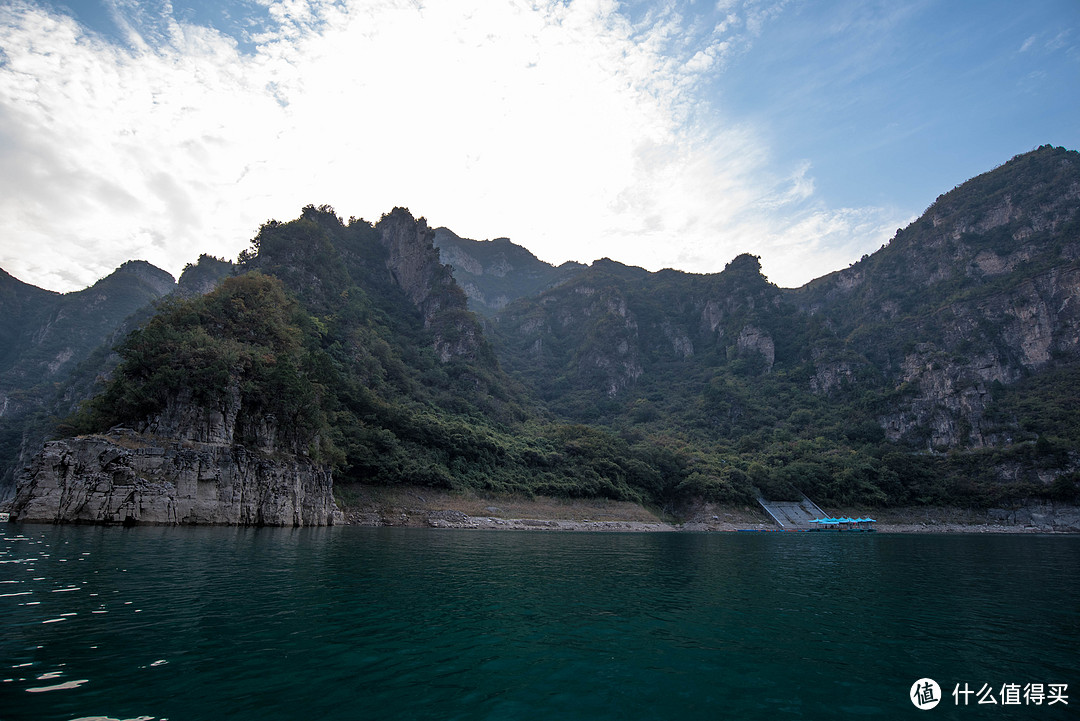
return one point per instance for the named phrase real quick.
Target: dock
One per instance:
(793, 515)
(805, 515)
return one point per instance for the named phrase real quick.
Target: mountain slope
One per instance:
(47, 337)
(940, 370)
(494, 273)
(62, 346)
(832, 387)
(48, 333)
(983, 289)
(346, 347)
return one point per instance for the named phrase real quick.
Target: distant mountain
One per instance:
(48, 333)
(55, 346)
(942, 369)
(494, 273)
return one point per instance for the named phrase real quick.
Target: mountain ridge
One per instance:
(932, 371)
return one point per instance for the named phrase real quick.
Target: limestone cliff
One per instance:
(183, 466)
(584, 331)
(53, 345)
(227, 426)
(414, 264)
(125, 477)
(612, 326)
(984, 288)
(1000, 338)
(754, 340)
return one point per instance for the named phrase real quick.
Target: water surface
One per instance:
(357, 623)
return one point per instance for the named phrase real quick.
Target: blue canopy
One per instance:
(835, 521)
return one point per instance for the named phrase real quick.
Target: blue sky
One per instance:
(660, 134)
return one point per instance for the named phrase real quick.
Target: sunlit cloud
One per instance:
(567, 127)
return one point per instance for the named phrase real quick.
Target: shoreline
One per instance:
(417, 507)
(422, 507)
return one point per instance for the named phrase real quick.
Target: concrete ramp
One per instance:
(793, 514)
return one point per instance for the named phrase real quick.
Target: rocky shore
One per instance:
(427, 508)
(97, 480)
(129, 478)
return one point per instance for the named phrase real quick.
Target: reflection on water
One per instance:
(349, 623)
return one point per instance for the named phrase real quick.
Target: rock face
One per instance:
(754, 340)
(125, 477)
(413, 262)
(46, 341)
(611, 325)
(495, 273)
(1043, 516)
(984, 288)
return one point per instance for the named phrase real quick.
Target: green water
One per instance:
(354, 623)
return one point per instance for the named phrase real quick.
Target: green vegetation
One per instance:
(242, 341)
(332, 350)
(650, 387)
(46, 340)
(663, 359)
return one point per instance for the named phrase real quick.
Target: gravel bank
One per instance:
(419, 507)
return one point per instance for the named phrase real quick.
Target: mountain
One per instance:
(56, 346)
(979, 292)
(494, 273)
(942, 369)
(47, 333)
(915, 364)
(343, 348)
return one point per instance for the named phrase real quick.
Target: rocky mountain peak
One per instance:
(495, 273)
(415, 265)
(203, 276)
(159, 280)
(744, 264)
(413, 260)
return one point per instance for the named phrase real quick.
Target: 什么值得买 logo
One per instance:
(925, 693)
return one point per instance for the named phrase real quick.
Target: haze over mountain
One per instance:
(941, 369)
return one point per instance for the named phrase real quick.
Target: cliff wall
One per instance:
(413, 262)
(125, 477)
(983, 289)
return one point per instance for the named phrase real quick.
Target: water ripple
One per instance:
(445, 624)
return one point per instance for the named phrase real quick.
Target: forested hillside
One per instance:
(942, 369)
(908, 378)
(351, 344)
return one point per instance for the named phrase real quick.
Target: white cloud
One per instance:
(560, 125)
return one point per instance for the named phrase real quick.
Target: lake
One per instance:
(385, 623)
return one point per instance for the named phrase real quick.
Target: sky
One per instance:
(673, 134)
